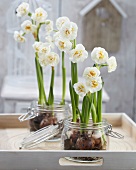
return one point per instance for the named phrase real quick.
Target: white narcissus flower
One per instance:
(69, 31)
(19, 37)
(63, 45)
(112, 64)
(44, 48)
(28, 27)
(79, 54)
(40, 15)
(91, 73)
(49, 27)
(23, 9)
(37, 46)
(60, 21)
(43, 60)
(80, 89)
(94, 85)
(56, 36)
(41, 48)
(74, 29)
(99, 55)
(50, 41)
(52, 59)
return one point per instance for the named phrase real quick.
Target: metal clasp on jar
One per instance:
(113, 134)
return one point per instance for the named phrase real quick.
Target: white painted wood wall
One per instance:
(120, 84)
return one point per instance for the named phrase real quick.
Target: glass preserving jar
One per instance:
(47, 115)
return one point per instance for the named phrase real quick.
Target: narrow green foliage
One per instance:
(93, 113)
(72, 102)
(63, 79)
(51, 95)
(95, 100)
(42, 96)
(99, 105)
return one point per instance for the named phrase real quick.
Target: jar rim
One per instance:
(90, 126)
(44, 107)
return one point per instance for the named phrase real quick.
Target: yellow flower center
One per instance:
(81, 88)
(39, 14)
(44, 50)
(61, 44)
(67, 32)
(78, 54)
(101, 56)
(51, 59)
(28, 27)
(94, 83)
(20, 37)
(92, 73)
(23, 9)
(36, 48)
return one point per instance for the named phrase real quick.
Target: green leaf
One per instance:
(93, 113)
(72, 101)
(99, 105)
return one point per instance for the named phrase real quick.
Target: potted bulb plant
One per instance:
(45, 111)
(86, 130)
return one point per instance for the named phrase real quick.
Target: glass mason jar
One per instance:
(78, 136)
(47, 115)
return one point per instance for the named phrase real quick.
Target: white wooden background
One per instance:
(121, 84)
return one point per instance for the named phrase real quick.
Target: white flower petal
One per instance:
(60, 21)
(94, 85)
(68, 31)
(80, 89)
(63, 45)
(44, 48)
(49, 27)
(99, 55)
(56, 36)
(112, 64)
(18, 37)
(91, 73)
(52, 59)
(78, 54)
(22, 9)
(50, 40)
(40, 15)
(43, 60)
(37, 46)
(28, 27)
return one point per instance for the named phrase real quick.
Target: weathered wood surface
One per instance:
(12, 133)
(102, 27)
(120, 156)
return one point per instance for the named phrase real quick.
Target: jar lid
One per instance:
(41, 135)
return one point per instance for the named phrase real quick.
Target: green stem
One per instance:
(71, 89)
(95, 100)
(93, 113)
(38, 29)
(42, 96)
(51, 94)
(63, 79)
(99, 105)
(74, 78)
(36, 65)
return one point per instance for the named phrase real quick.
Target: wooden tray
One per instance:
(48, 155)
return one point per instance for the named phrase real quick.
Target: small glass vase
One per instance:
(48, 115)
(78, 136)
